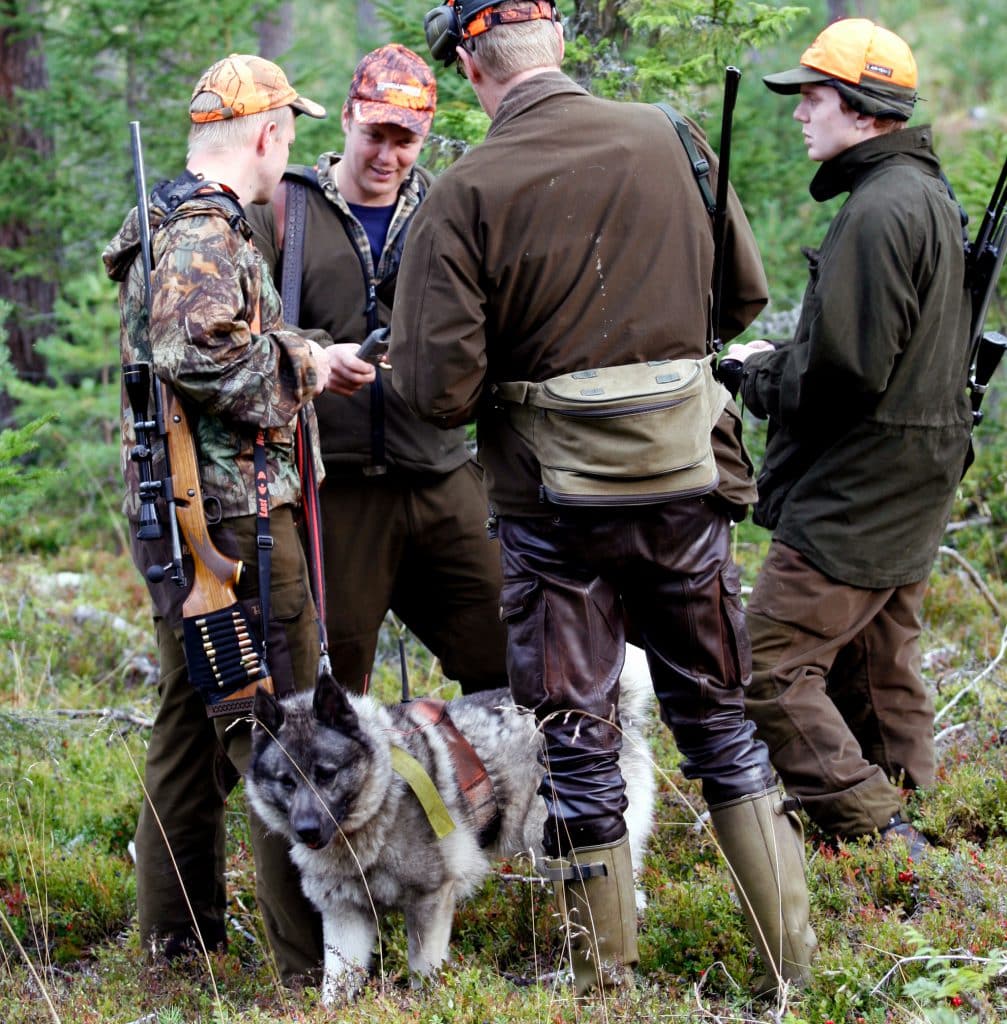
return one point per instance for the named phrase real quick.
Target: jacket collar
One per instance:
(530, 92)
(843, 172)
(410, 192)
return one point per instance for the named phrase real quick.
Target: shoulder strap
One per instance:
(172, 195)
(292, 215)
(289, 217)
(700, 165)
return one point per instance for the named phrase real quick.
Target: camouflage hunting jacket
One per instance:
(209, 287)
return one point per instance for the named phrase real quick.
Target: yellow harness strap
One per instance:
(422, 785)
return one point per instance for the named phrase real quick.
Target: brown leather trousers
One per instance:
(571, 582)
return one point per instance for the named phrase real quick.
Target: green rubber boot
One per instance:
(597, 905)
(764, 848)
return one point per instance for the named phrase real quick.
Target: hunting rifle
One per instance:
(984, 260)
(223, 656)
(732, 76)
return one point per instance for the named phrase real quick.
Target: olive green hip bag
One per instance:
(635, 434)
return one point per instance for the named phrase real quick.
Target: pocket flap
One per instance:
(618, 383)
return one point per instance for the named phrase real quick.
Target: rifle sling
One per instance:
(263, 538)
(700, 165)
(290, 216)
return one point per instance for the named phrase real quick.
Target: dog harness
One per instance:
(473, 779)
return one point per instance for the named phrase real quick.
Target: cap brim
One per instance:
(788, 82)
(309, 107)
(372, 112)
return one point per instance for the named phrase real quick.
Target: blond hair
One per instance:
(506, 50)
(232, 133)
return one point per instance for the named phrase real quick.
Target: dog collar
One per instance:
(416, 777)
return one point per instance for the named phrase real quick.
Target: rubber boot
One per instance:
(597, 905)
(764, 847)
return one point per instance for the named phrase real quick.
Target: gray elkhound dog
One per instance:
(323, 773)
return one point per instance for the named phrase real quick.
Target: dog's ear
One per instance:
(267, 712)
(333, 709)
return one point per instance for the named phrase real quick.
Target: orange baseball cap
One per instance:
(246, 84)
(393, 85)
(857, 53)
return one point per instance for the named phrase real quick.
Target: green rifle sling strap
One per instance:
(700, 165)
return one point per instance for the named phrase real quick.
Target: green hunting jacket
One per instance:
(868, 414)
(573, 237)
(208, 285)
(347, 291)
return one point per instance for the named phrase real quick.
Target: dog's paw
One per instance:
(344, 987)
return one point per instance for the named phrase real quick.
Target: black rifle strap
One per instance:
(700, 165)
(263, 538)
(294, 219)
(293, 210)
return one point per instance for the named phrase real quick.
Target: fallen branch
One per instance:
(130, 717)
(966, 523)
(975, 682)
(973, 575)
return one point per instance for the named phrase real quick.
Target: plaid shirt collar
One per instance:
(409, 199)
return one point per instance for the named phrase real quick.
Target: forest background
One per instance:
(899, 941)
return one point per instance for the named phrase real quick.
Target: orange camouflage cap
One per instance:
(872, 67)
(246, 84)
(393, 85)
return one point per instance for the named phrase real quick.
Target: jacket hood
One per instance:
(120, 253)
(841, 173)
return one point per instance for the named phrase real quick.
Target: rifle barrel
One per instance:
(142, 211)
(732, 76)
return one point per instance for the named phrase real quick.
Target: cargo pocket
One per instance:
(287, 604)
(737, 645)
(522, 611)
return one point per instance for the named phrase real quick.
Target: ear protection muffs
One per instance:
(447, 26)
(444, 33)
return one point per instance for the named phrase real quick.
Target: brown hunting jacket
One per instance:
(573, 237)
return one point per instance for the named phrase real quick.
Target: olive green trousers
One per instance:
(194, 763)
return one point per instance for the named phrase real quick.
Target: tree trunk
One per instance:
(276, 32)
(29, 250)
(844, 9)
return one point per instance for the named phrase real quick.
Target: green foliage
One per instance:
(900, 943)
(72, 481)
(947, 978)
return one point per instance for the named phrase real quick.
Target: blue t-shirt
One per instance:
(375, 221)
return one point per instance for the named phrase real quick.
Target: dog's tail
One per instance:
(636, 691)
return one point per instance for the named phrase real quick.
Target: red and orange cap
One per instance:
(393, 85)
(485, 19)
(856, 52)
(246, 84)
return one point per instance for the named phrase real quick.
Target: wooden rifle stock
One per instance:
(223, 655)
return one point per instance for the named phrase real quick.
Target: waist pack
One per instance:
(635, 434)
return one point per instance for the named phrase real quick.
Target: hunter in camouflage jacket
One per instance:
(218, 338)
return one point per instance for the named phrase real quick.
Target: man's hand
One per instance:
(347, 374)
(741, 352)
(729, 369)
